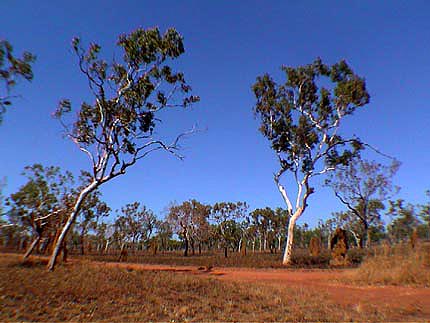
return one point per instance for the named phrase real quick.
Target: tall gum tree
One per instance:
(116, 130)
(301, 118)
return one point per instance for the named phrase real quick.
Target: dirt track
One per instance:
(401, 300)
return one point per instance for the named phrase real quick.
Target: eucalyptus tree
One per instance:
(164, 233)
(227, 216)
(270, 224)
(135, 225)
(116, 129)
(190, 221)
(301, 118)
(362, 186)
(405, 220)
(11, 70)
(41, 203)
(425, 213)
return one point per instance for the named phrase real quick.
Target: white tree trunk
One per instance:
(107, 246)
(32, 246)
(70, 221)
(290, 237)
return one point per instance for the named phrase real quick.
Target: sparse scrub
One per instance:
(355, 256)
(399, 265)
(301, 259)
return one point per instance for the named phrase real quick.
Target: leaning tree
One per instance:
(116, 130)
(301, 118)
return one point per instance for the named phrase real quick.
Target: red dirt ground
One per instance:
(399, 299)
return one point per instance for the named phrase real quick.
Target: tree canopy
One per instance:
(12, 69)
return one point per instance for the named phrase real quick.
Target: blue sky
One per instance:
(228, 44)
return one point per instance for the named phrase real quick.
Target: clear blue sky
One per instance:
(228, 44)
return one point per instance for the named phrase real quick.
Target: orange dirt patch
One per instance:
(398, 299)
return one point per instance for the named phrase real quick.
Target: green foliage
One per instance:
(226, 215)
(43, 199)
(119, 124)
(135, 224)
(299, 116)
(11, 70)
(117, 128)
(269, 224)
(405, 220)
(190, 221)
(425, 210)
(362, 187)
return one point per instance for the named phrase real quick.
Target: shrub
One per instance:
(302, 259)
(356, 256)
(399, 266)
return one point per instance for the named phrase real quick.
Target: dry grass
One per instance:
(399, 265)
(86, 292)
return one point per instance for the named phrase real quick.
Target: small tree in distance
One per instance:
(301, 118)
(362, 187)
(190, 221)
(117, 129)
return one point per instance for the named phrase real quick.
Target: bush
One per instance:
(356, 256)
(301, 258)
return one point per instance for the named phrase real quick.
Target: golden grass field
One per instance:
(85, 290)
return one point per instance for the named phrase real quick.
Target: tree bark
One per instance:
(82, 243)
(186, 248)
(76, 208)
(107, 246)
(193, 249)
(366, 236)
(290, 237)
(32, 246)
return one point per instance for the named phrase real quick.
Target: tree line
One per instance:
(36, 213)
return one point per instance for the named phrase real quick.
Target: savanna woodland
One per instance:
(305, 216)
